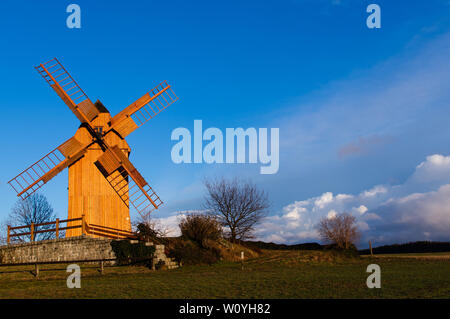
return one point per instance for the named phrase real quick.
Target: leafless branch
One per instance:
(238, 206)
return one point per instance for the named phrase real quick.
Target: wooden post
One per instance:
(36, 270)
(57, 228)
(32, 231)
(83, 227)
(7, 236)
(101, 267)
(370, 246)
(242, 260)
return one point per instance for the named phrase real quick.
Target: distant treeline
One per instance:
(273, 246)
(415, 247)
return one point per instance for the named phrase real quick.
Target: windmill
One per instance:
(102, 180)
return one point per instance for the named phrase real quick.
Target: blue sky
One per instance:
(357, 108)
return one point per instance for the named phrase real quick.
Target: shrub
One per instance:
(190, 253)
(350, 252)
(145, 232)
(128, 253)
(200, 228)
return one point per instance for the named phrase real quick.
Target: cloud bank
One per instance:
(418, 209)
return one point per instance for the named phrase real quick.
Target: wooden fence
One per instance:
(86, 229)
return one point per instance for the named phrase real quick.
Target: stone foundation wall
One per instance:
(160, 255)
(68, 250)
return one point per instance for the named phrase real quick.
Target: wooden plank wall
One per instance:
(90, 192)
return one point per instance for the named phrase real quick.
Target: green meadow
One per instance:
(274, 274)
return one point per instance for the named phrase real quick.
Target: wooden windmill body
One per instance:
(102, 181)
(89, 192)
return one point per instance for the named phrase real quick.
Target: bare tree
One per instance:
(34, 209)
(238, 206)
(340, 230)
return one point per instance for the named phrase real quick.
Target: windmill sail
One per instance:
(68, 90)
(143, 109)
(35, 176)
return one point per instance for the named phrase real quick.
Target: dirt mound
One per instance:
(232, 251)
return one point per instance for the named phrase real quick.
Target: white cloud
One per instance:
(342, 197)
(374, 191)
(293, 211)
(323, 200)
(332, 214)
(171, 222)
(361, 209)
(435, 168)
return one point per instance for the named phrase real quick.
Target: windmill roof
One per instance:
(100, 107)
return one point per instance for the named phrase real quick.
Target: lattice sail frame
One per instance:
(144, 109)
(35, 176)
(127, 182)
(126, 188)
(68, 90)
(30, 179)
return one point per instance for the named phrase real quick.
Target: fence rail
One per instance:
(86, 229)
(109, 232)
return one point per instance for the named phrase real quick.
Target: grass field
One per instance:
(440, 255)
(275, 274)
